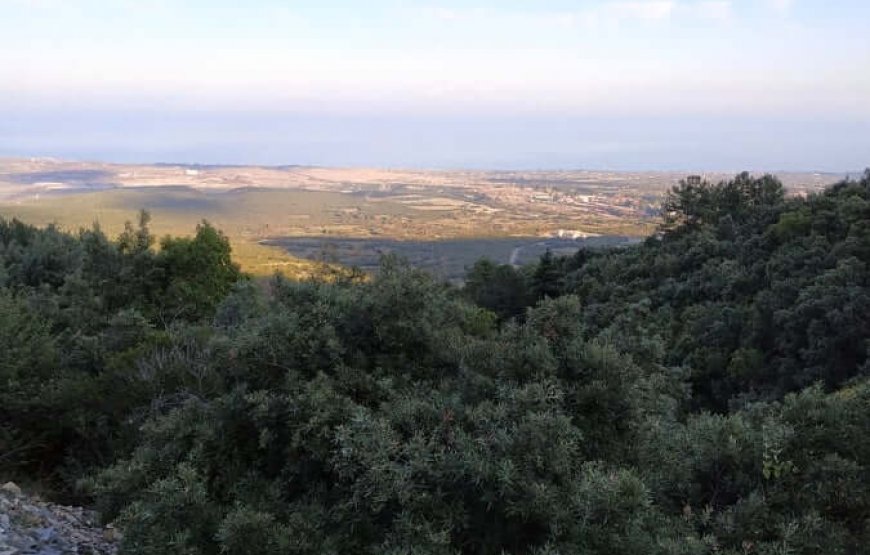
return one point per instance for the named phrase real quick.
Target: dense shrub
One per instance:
(705, 391)
(79, 317)
(758, 294)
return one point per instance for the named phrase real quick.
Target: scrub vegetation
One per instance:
(704, 391)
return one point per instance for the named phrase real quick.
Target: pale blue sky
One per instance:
(724, 84)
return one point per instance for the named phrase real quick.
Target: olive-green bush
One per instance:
(706, 391)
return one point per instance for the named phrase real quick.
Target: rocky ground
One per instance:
(31, 526)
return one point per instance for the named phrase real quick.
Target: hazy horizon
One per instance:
(600, 84)
(608, 144)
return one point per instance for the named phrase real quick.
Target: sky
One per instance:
(601, 84)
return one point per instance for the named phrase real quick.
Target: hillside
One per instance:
(703, 391)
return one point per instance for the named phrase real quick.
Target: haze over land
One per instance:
(636, 143)
(696, 85)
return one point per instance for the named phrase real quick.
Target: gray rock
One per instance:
(11, 487)
(31, 526)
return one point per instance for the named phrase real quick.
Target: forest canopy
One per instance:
(704, 391)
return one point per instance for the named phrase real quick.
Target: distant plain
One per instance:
(294, 218)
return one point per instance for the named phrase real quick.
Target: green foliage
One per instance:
(706, 391)
(361, 417)
(547, 276)
(692, 205)
(498, 287)
(81, 316)
(757, 294)
(198, 273)
(27, 357)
